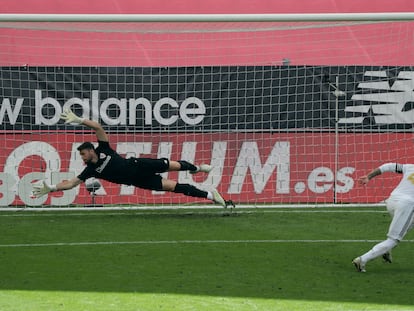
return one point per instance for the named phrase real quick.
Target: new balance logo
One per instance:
(387, 104)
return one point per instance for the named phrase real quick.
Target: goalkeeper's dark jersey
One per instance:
(110, 166)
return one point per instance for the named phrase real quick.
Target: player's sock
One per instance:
(379, 249)
(190, 191)
(187, 166)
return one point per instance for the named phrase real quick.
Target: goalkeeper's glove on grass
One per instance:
(70, 117)
(40, 190)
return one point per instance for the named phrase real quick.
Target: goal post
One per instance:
(209, 18)
(289, 109)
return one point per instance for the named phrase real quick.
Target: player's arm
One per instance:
(387, 167)
(68, 184)
(99, 131)
(70, 117)
(44, 188)
(363, 180)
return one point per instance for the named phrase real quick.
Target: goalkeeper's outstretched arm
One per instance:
(99, 131)
(44, 188)
(70, 117)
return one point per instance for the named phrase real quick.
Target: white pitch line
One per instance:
(186, 206)
(185, 242)
(129, 213)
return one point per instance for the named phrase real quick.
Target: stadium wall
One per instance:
(15, 50)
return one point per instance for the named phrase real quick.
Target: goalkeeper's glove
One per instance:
(40, 190)
(70, 117)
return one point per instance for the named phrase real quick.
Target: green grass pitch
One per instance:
(200, 259)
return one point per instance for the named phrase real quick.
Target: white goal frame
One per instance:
(400, 16)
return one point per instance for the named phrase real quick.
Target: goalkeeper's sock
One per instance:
(187, 166)
(190, 191)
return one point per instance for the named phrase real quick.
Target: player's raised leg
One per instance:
(190, 190)
(182, 165)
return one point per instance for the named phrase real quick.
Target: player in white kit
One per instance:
(400, 206)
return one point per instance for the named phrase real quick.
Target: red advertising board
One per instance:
(248, 167)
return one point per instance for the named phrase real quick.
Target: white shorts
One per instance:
(402, 214)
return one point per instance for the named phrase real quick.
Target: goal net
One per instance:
(285, 112)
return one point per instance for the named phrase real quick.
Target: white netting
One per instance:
(285, 112)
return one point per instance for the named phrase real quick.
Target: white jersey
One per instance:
(405, 189)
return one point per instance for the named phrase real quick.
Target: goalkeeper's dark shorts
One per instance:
(146, 172)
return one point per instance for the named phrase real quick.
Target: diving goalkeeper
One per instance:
(105, 163)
